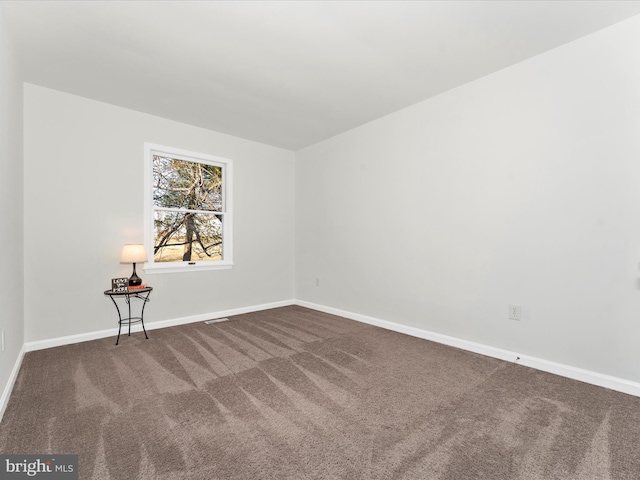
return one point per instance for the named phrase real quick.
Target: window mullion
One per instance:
(187, 210)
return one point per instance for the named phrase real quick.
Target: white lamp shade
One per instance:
(133, 254)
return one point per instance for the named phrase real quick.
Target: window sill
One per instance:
(182, 267)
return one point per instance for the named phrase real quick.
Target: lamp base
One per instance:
(134, 279)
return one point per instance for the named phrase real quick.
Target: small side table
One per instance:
(140, 293)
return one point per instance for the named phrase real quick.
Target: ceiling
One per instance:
(285, 73)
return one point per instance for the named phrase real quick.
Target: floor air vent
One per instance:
(216, 320)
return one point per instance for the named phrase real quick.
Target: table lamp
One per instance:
(133, 253)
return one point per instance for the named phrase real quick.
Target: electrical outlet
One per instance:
(317, 281)
(515, 312)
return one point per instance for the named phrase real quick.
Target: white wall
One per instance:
(11, 285)
(84, 200)
(521, 187)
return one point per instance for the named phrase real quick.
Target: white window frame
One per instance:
(151, 149)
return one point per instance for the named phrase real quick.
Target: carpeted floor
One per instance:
(292, 393)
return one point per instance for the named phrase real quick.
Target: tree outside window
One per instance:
(189, 208)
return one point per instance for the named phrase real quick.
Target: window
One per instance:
(187, 209)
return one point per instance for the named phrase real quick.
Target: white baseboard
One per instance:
(6, 393)
(587, 376)
(112, 332)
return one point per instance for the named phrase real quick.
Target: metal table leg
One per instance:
(119, 318)
(144, 304)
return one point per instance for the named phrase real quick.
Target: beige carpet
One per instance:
(291, 393)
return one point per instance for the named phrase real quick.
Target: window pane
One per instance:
(187, 237)
(182, 184)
